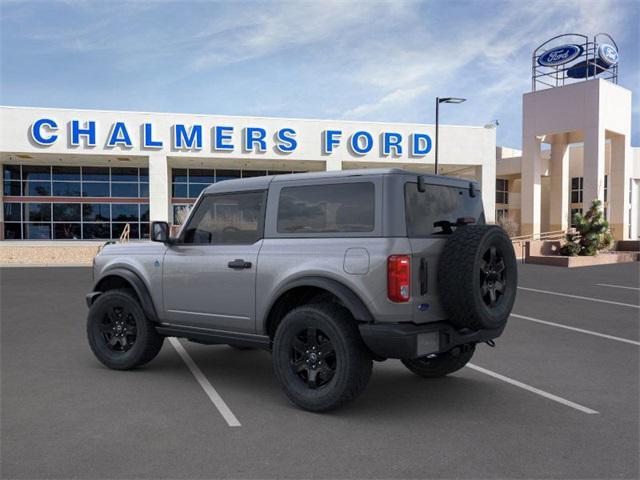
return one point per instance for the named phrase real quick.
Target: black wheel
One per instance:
(478, 277)
(319, 357)
(119, 333)
(441, 364)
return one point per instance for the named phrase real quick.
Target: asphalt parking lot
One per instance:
(553, 400)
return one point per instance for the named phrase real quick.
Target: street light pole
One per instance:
(438, 102)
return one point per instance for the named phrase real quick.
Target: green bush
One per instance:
(592, 233)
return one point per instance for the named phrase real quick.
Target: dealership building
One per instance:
(87, 174)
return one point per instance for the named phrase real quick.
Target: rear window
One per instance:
(328, 208)
(437, 204)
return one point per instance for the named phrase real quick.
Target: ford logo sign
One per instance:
(560, 55)
(608, 54)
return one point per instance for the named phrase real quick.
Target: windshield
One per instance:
(438, 208)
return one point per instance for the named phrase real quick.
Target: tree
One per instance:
(592, 233)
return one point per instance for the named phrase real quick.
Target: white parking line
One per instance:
(213, 395)
(579, 297)
(616, 286)
(559, 325)
(535, 390)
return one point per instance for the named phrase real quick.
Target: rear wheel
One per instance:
(119, 333)
(319, 357)
(441, 364)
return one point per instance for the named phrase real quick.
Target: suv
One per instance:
(329, 271)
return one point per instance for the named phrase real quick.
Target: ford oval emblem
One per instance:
(608, 54)
(560, 55)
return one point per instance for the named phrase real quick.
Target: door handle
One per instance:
(239, 264)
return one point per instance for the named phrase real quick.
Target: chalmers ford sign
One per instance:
(222, 138)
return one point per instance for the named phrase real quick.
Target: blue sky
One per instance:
(368, 60)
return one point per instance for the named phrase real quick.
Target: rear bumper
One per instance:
(407, 340)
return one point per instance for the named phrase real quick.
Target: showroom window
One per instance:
(74, 221)
(78, 202)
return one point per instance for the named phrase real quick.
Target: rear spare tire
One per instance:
(478, 277)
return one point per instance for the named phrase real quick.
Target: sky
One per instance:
(351, 60)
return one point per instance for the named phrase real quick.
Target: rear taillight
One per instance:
(399, 278)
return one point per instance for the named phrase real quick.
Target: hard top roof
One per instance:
(259, 183)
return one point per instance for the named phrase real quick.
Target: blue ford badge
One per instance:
(560, 55)
(608, 54)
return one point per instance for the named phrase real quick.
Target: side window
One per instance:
(227, 219)
(329, 208)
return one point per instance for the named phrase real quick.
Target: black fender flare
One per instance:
(136, 283)
(347, 296)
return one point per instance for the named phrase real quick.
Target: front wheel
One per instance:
(319, 357)
(119, 333)
(441, 364)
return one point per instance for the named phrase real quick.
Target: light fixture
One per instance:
(451, 100)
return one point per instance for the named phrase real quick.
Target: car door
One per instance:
(209, 274)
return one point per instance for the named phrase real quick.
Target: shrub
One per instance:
(592, 233)
(509, 225)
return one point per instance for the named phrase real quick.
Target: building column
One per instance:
(159, 188)
(333, 164)
(559, 205)
(486, 176)
(531, 186)
(593, 167)
(618, 188)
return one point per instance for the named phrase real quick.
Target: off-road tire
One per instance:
(441, 364)
(351, 360)
(463, 277)
(146, 344)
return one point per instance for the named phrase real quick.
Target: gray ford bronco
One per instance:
(328, 271)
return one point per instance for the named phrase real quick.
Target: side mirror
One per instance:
(160, 232)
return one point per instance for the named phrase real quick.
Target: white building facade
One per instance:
(85, 174)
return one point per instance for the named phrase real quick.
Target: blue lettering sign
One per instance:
(147, 138)
(286, 140)
(420, 144)
(331, 139)
(89, 131)
(357, 146)
(36, 131)
(119, 136)
(186, 139)
(391, 140)
(221, 137)
(255, 136)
